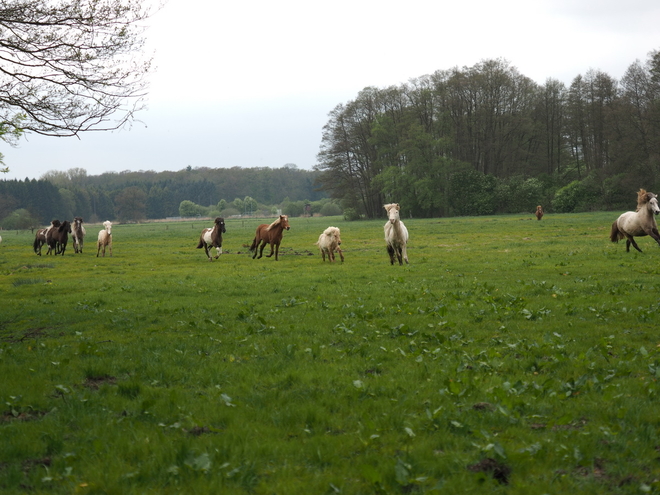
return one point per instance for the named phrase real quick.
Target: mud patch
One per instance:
(499, 471)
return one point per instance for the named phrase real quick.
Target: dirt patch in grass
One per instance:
(8, 416)
(95, 382)
(498, 470)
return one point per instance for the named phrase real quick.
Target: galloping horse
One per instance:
(104, 239)
(539, 212)
(40, 238)
(78, 234)
(396, 234)
(213, 238)
(57, 238)
(270, 234)
(638, 223)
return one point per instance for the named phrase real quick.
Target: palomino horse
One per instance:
(105, 239)
(396, 234)
(213, 238)
(57, 238)
(78, 234)
(539, 212)
(40, 238)
(638, 223)
(270, 234)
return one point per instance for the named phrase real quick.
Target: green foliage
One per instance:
(577, 196)
(472, 193)
(19, 219)
(507, 357)
(330, 210)
(189, 209)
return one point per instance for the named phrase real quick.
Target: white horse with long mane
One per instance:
(396, 234)
(104, 239)
(638, 223)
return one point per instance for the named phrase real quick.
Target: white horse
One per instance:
(329, 242)
(105, 239)
(396, 234)
(638, 223)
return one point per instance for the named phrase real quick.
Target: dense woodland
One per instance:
(486, 139)
(466, 141)
(137, 196)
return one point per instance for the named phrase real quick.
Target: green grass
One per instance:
(532, 344)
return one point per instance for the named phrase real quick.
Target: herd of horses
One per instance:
(56, 237)
(638, 223)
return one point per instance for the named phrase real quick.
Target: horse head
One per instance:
(108, 226)
(65, 226)
(392, 212)
(284, 222)
(220, 222)
(653, 204)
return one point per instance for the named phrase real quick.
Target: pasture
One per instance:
(511, 355)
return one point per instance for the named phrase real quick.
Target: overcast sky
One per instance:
(250, 84)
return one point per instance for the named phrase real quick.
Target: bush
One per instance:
(351, 214)
(330, 210)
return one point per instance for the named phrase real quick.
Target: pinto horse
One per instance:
(396, 234)
(213, 238)
(270, 234)
(78, 234)
(638, 223)
(40, 237)
(57, 238)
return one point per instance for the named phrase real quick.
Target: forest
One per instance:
(137, 196)
(478, 140)
(486, 139)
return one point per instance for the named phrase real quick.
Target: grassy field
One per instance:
(510, 356)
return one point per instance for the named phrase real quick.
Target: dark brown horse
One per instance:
(78, 234)
(212, 238)
(40, 238)
(270, 234)
(57, 238)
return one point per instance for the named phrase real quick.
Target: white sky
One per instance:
(250, 84)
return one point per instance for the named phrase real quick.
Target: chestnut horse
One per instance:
(210, 238)
(539, 212)
(638, 223)
(270, 234)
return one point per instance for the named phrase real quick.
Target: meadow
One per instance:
(511, 356)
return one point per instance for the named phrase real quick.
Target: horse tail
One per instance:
(254, 244)
(616, 235)
(200, 244)
(35, 245)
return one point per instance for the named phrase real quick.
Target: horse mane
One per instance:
(643, 197)
(275, 223)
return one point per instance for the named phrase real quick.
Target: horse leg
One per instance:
(218, 250)
(261, 248)
(272, 250)
(399, 256)
(629, 241)
(341, 255)
(390, 251)
(206, 250)
(404, 251)
(277, 250)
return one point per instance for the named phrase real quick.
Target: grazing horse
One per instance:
(396, 234)
(40, 237)
(78, 234)
(213, 238)
(57, 238)
(270, 234)
(105, 239)
(329, 242)
(638, 223)
(539, 212)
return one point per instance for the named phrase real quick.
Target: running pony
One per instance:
(638, 223)
(212, 238)
(105, 239)
(78, 232)
(270, 234)
(396, 234)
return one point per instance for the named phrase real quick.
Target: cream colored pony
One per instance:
(396, 234)
(105, 239)
(638, 223)
(329, 242)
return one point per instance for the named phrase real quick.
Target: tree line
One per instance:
(137, 196)
(487, 139)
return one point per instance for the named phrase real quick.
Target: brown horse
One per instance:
(270, 234)
(40, 238)
(539, 212)
(212, 238)
(78, 234)
(57, 238)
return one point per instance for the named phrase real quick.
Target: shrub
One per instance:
(330, 210)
